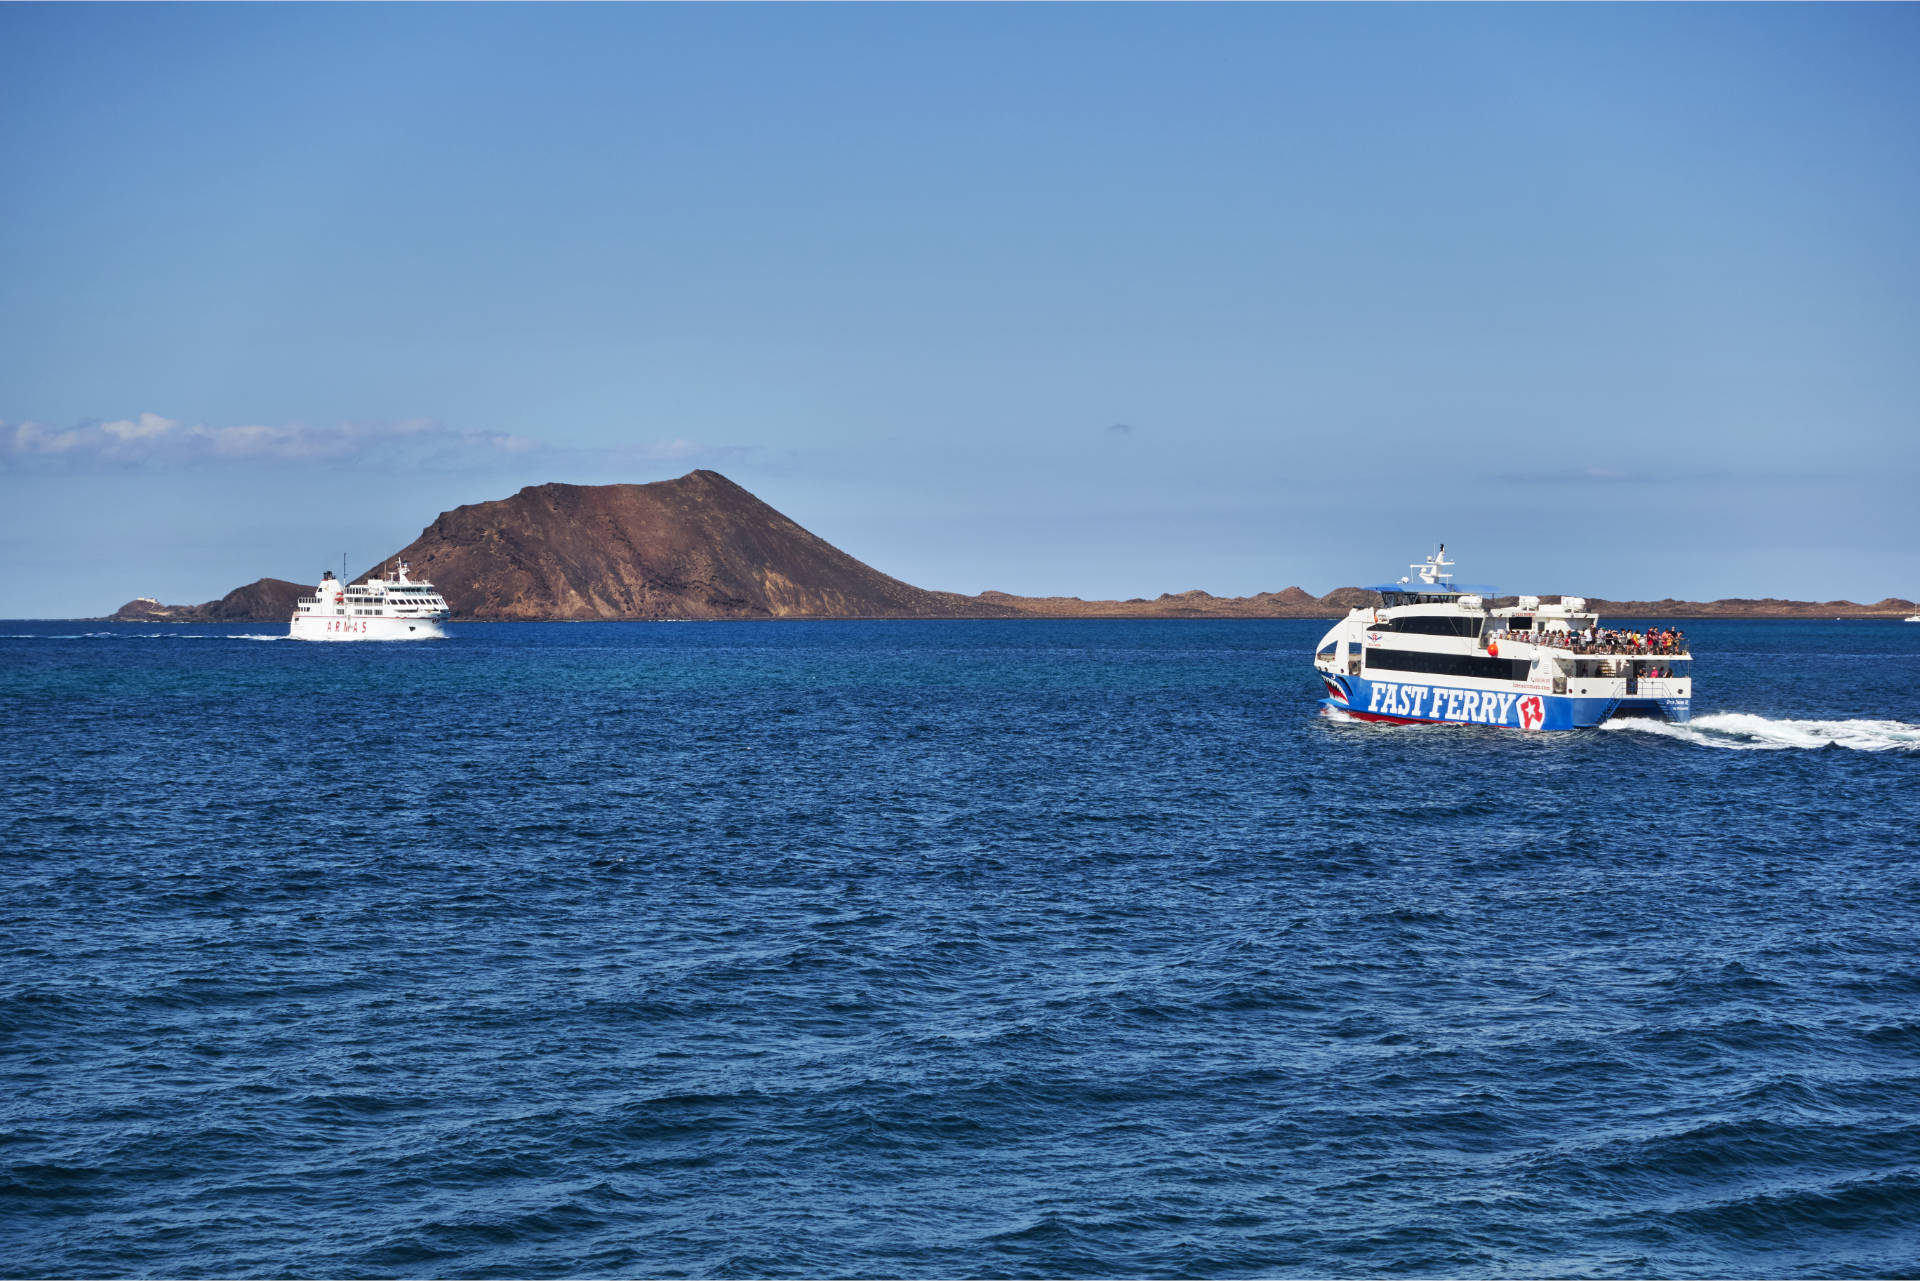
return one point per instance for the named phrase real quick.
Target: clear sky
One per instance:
(1084, 299)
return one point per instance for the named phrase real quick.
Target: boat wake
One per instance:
(1744, 732)
(57, 636)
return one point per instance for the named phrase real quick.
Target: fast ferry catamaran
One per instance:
(1434, 652)
(396, 608)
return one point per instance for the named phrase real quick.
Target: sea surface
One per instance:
(944, 949)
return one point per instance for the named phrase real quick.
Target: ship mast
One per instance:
(1433, 570)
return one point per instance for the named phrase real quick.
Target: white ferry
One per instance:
(396, 608)
(1434, 652)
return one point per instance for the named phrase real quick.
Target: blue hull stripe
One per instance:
(1511, 709)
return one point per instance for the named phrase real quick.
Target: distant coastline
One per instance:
(1171, 606)
(701, 547)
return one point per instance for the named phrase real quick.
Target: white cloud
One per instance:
(147, 426)
(154, 442)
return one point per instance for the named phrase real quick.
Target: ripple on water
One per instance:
(936, 950)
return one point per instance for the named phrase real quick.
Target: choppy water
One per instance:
(944, 949)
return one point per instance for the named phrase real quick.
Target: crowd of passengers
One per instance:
(1605, 640)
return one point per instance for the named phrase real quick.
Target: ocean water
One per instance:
(934, 950)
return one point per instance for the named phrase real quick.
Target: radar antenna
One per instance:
(1433, 571)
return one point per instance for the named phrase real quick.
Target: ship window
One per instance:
(1407, 660)
(1431, 625)
(1391, 599)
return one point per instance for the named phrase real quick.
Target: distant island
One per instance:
(701, 547)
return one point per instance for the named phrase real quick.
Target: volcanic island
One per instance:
(701, 547)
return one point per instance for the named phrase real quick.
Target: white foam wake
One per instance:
(54, 636)
(1743, 732)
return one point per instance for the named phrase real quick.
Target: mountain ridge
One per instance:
(262, 601)
(700, 546)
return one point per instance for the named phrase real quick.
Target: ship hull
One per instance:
(1413, 703)
(365, 629)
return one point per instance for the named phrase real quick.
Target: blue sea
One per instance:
(944, 949)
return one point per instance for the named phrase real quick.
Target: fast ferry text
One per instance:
(1479, 707)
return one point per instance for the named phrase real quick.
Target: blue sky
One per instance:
(1087, 299)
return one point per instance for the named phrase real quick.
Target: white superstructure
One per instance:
(396, 608)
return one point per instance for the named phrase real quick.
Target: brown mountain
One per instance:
(696, 547)
(1342, 599)
(1734, 607)
(266, 600)
(1293, 602)
(1744, 607)
(702, 547)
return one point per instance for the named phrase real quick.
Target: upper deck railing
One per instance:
(1609, 644)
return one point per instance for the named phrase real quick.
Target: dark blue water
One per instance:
(928, 949)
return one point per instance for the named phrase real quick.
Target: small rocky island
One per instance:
(701, 547)
(261, 601)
